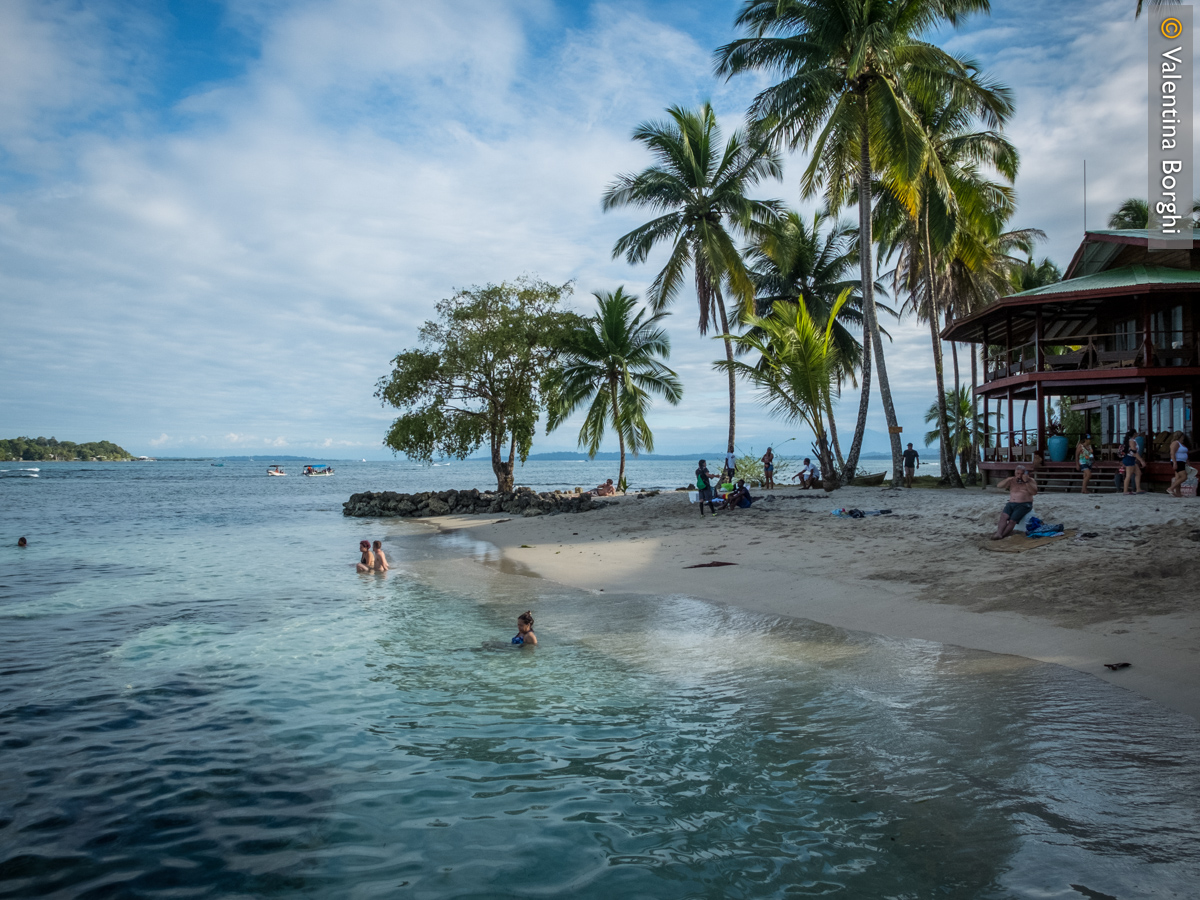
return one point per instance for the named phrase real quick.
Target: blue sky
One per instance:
(218, 222)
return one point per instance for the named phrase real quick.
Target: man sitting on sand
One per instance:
(808, 474)
(607, 489)
(1021, 490)
(739, 497)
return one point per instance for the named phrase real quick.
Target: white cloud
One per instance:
(253, 268)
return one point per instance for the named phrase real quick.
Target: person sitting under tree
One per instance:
(808, 475)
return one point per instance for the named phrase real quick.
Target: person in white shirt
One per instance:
(808, 474)
(730, 465)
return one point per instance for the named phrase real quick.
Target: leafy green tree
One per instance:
(797, 368)
(612, 364)
(477, 376)
(849, 71)
(699, 187)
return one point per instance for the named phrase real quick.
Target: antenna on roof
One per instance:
(1085, 196)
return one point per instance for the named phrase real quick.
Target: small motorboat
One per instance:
(275, 470)
(314, 471)
(874, 480)
(218, 465)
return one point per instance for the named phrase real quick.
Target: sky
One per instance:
(219, 222)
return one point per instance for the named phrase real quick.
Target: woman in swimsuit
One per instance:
(367, 562)
(1085, 455)
(1133, 463)
(525, 633)
(1178, 454)
(768, 462)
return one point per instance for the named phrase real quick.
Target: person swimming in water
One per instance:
(381, 563)
(21, 542)
(367, 562)
(525, 633)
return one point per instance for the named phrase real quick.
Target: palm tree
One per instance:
(791, 258)
(1140, 3)
(849, 69)
(699, 187)
(797, 368)
(1030, 275)
(1133, 213)
(964, 426)
(953, 194)
(613, 364)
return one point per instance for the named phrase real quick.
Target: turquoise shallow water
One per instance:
(199, 698)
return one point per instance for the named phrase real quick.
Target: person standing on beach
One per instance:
(1178, 454)
(1021, 490)
(912, 462)
(730, 466)
(768, 461)
(1133, 463)
(1085, 455)
(381, 563)
(704, 486)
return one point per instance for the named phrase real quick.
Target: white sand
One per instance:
(1129, 594)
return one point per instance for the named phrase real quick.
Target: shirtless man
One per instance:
(381, 563)
(1021, 490)
(608, 489)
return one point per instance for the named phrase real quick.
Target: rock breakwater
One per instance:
(523, 501)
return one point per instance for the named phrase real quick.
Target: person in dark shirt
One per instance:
(912, 462)
(704, 484)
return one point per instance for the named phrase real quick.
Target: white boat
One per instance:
(275, 470)
(316, 471)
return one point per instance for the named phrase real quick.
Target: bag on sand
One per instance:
(1032, 524)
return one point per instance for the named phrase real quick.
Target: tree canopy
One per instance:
(40, 448)
(477, 376)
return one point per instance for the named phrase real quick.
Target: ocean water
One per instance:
(200, 698)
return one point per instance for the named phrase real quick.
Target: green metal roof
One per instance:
(1125, 277)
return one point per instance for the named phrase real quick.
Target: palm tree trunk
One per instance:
(946, 451)
(616, 411)
(833, 434)
(866, 245)
(729, 356)
(868, 295)
(972, 468)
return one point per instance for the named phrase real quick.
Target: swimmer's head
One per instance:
(366, 545)
(21, 542)
(525, 621)
(378, 545)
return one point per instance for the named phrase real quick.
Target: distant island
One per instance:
(45, 449)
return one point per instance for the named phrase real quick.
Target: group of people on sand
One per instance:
(1134, 463)
(373, 558)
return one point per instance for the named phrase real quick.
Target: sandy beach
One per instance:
(1117, 590)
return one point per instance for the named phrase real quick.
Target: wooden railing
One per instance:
(1094, 352)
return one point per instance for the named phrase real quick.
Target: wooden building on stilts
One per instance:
(1119, 337)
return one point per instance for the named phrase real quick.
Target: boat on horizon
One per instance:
(315, 471)
(275, 470)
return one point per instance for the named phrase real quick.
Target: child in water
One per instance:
(525, 633)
